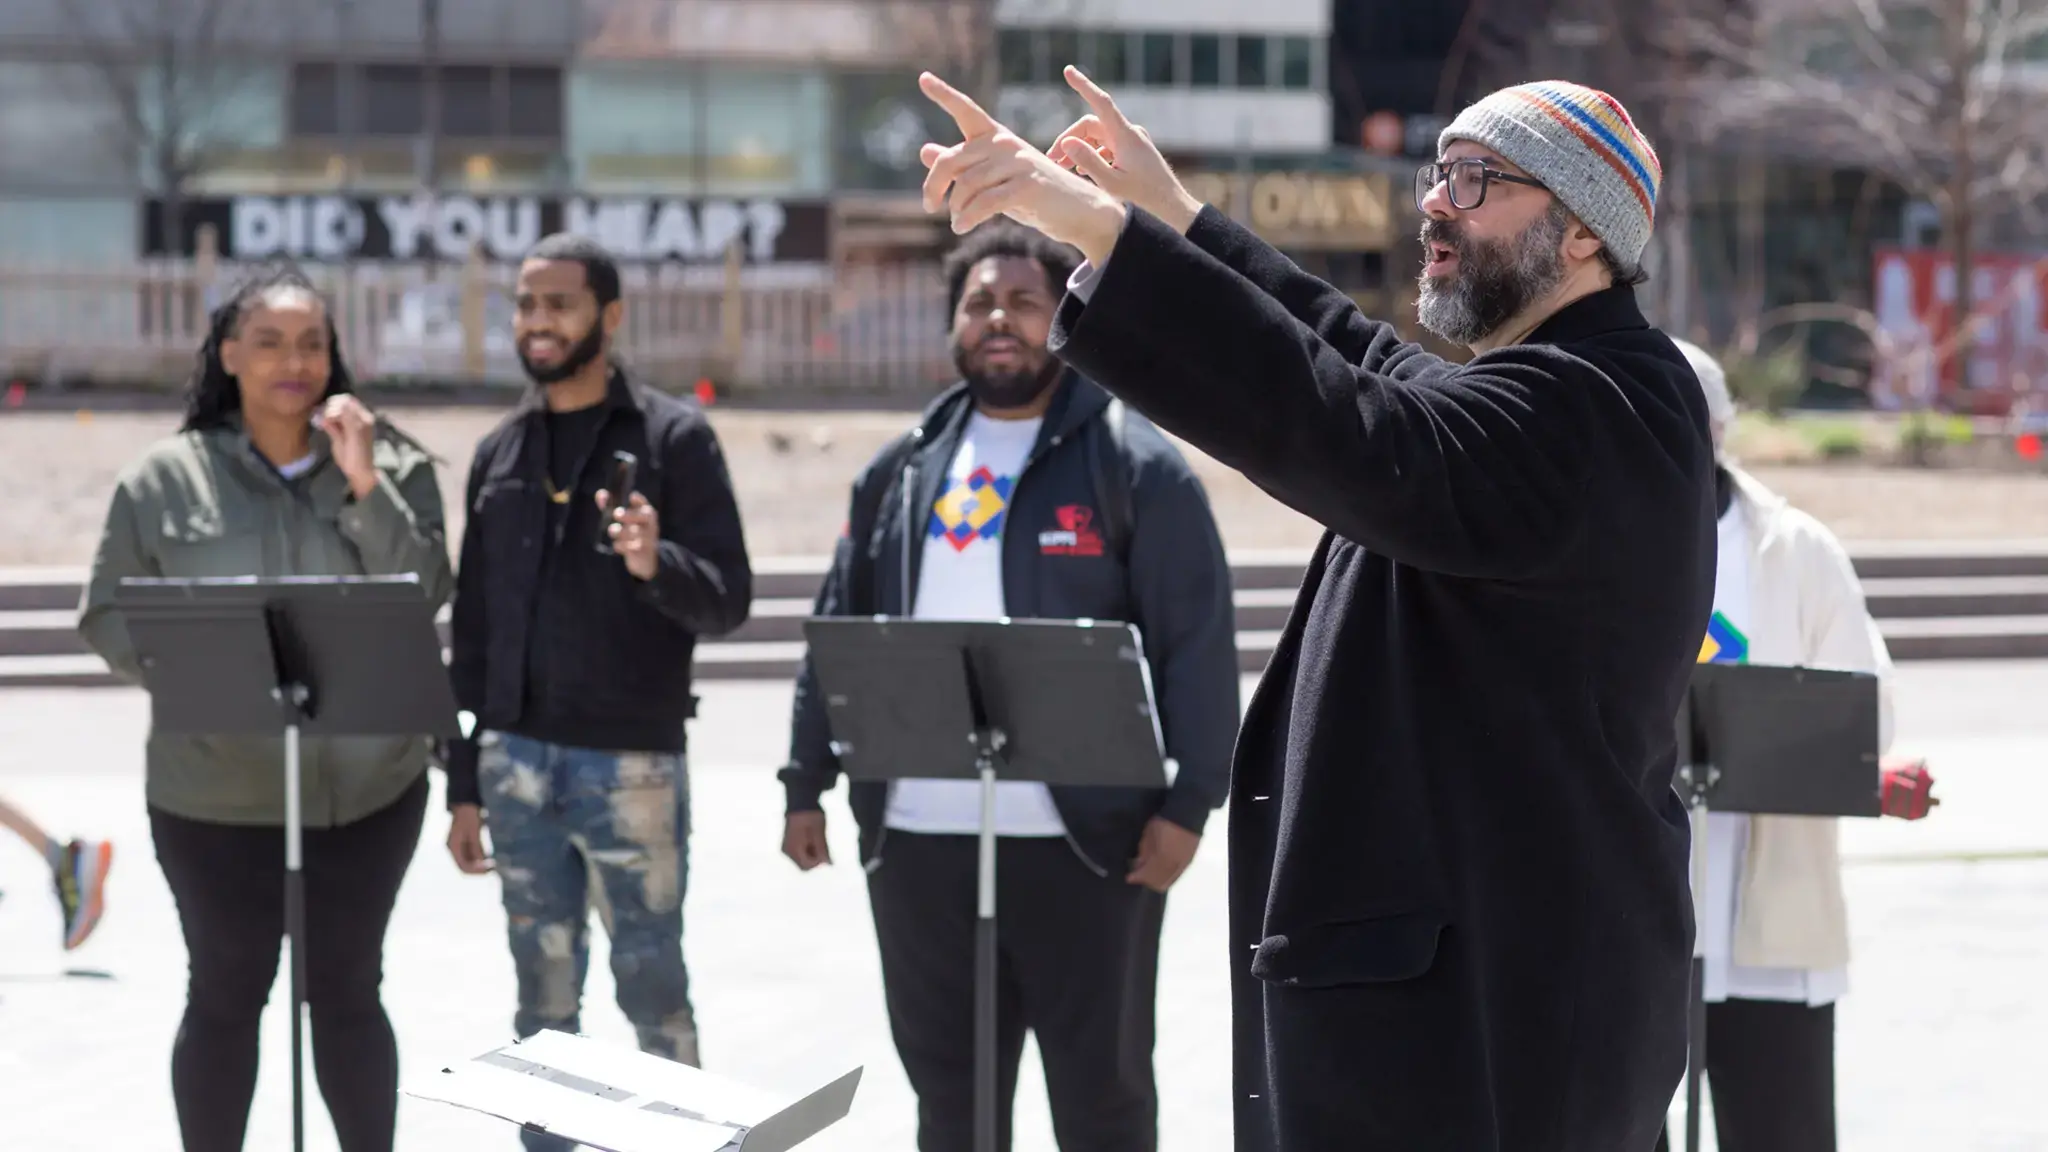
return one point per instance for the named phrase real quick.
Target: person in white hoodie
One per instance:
(1773, 925)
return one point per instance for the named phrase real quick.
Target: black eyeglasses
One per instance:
(1465, 180)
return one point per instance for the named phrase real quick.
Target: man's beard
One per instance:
(1496, 279)
(1006, 390)
(580, 355)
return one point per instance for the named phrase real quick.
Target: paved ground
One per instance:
(1939, 1043)
(791, 470)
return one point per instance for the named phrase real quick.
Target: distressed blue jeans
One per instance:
(577, 828)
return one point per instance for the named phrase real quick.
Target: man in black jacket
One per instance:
(574, 625)
(1025, 491)
(1459, 908)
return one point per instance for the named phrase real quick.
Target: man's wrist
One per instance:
(1104, 224)
(1181, 213)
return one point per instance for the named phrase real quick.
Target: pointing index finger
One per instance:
(970, 117)
(1103, 104)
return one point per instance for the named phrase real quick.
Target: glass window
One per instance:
(1013, 50)
(1251, 62)
(1297, 63)
(393, 100)
(1107, 56)
(1205, 60)
(1062, 47)
(468, 101)
(1157, 61)
(315, 100)
(766, 132)
(534, 106)
(56, 128)
(722, 131)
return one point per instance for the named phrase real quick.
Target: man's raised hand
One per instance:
(994, 172)
(1120, 158)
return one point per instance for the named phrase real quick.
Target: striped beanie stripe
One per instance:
(1583, 145)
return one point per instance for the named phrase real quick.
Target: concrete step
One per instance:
(1896, 598)
(1932, 601)
(1967, 638)
(1927, 559)
(775, 578)
(1911, 639)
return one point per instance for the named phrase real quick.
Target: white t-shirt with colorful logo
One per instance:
(961, 578)
(1727, 642)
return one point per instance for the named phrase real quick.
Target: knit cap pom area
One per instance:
(1583, 146)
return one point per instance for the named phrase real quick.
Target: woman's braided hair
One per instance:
(211, 394)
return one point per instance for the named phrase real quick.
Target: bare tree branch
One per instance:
(169, 66)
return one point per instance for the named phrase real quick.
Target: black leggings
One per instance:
(228, 881)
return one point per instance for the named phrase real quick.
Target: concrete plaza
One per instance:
(1939, 1043)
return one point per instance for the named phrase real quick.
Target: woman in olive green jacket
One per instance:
(277, 471)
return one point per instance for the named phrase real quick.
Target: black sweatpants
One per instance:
(1078, 965)
(228, 881)
(1771, 1072)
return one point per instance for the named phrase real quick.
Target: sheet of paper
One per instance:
(712, 1097)
(613, 1125)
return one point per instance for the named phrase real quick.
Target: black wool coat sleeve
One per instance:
(1476, 472)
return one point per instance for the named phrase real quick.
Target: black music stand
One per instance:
(1769, 740)
(1064, 702)
(269, 657)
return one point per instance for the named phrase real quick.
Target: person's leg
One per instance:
(18, 822)
(352, 878)
(1086, 951)
(546, 890)
(78, 867)
(228, 883)
(630, 813)
(923, 897)
(1771, 1068)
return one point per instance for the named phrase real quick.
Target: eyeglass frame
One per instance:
(1439, 172)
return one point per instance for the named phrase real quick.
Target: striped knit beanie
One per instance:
(1582, 145)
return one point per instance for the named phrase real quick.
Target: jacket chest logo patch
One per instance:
(1075, 536)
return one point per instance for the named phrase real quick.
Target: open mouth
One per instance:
(542, 348)
(1439, 259)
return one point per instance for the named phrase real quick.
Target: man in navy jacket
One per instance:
(1460, 919)
(1025, 491)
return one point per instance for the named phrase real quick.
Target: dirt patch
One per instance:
(792, 471)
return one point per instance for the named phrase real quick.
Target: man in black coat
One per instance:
(1459, 909)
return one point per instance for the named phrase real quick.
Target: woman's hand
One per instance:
(352, 430)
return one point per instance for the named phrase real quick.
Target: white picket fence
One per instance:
(871, 327)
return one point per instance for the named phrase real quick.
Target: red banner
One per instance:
(1915, 293)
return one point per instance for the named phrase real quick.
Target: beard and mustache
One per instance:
(1011, 389)
(579, 356)
(1496, 280)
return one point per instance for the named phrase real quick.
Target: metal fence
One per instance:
(879, 327)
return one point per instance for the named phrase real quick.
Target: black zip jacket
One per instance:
(1176, 590)
(1459, 912)
(617, 650)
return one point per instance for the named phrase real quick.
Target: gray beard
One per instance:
(1496, 281)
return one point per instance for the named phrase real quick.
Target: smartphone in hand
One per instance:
(618, 490)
